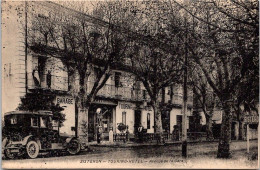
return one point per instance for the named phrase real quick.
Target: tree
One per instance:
(247, 95)
(87, 49)
(156, 71)
(224, 44)
(156, 65)
(37, 100)
(206, 100)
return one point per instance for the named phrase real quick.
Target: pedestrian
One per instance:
(99, 133)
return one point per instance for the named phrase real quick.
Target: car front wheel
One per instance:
(32, 149)
(74, 147)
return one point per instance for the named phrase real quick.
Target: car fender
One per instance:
(69, 139)
(4, 142)
(27, 138)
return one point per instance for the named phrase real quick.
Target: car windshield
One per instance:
(26, 120)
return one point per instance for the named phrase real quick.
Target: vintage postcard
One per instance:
(130, 84)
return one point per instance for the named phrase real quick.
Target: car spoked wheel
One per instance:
(74, 147)
(32, 149)
(9, 154)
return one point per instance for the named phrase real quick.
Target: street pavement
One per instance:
(200, 155)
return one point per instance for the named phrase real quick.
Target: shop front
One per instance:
(101, 117)
(108, 116)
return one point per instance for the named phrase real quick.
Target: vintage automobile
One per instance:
(29, 133)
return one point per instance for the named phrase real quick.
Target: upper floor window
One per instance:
(117, 79)
(144, 94)
(170, 90)
(53, 74)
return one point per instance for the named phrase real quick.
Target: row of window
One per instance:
(43, 122)
(34, 121)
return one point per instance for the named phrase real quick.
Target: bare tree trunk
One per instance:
(209, 127)
(225, 135)
(83, 109)
(82, 129)
(158, 122)
(240, 131)
(240, 125)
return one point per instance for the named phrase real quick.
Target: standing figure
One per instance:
(48, 79)
(99, 133)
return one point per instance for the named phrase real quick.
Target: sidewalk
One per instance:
(153, 143)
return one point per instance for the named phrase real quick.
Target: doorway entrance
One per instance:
(104, 119)
(137, 122)
(106, 123)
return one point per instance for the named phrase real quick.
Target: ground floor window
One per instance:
(124, 118)
(148, 121)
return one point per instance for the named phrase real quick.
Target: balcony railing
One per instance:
(108, 90)
(124, 93)
(128, 93)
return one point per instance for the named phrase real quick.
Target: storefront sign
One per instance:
(64, 100)
(125, 106)
(251, 119)
(99, 101)
(68, 104)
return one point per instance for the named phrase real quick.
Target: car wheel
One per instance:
(32, 149)
(74, 147)
(9, 154)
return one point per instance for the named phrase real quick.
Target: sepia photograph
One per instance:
(130, 84)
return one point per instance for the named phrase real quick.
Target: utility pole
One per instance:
(185, 96)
